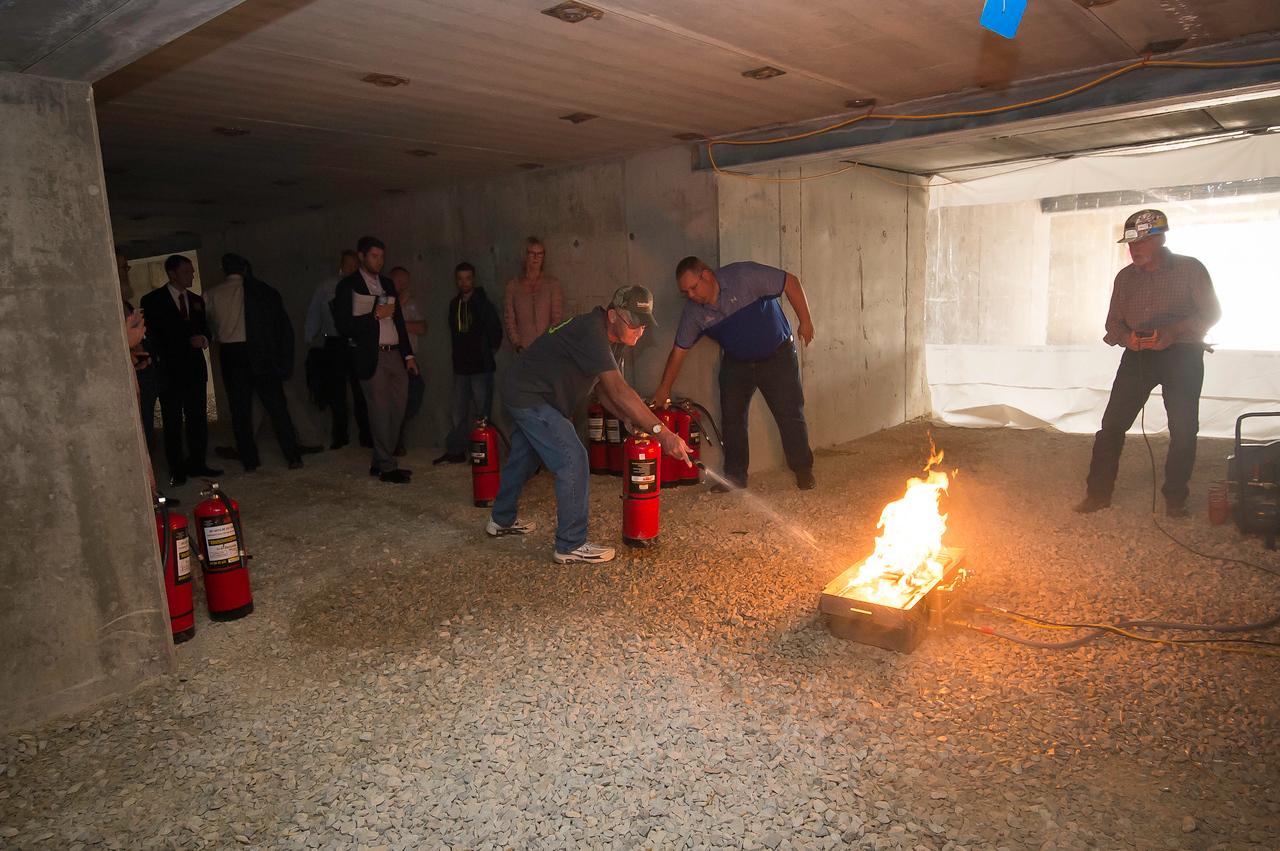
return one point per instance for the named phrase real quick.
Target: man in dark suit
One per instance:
(366, 309)
(255, 350)
(177, 335)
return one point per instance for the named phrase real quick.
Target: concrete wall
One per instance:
(83, 614)
(856, 241)
(604, 224)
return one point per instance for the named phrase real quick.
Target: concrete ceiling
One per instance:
(488, 82)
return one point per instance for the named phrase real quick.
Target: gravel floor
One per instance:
(408, 683)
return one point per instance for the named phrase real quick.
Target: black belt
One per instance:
(388, 348)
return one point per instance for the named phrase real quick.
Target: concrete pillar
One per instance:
(82, 608)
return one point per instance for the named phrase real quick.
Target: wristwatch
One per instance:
(656, 429)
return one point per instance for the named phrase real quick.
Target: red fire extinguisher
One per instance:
(175, 559)
(597, 449)
(613, 441)
(690, 425)
(485, 467)
(641, 486)
(670, 468)
(220, 544)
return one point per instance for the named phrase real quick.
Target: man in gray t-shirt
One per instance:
(551, 379)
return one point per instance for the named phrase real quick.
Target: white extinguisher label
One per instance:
(613, 430)
(220, 541)
(595, 428)
(183, 545)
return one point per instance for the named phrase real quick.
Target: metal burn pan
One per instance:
(893, 628)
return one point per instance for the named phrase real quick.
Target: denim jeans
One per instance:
(1179, 370)
(778, 379)
(544, 433)
(468, 390)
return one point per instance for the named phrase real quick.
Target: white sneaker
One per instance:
(519, 527)
(586, 552)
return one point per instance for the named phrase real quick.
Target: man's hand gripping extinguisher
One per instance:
(224, 559)
(175, 560)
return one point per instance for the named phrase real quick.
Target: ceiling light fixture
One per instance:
(384, 81)
(688, 137)
(394, 191)
(860, 103)
(529, 166)
(764, 72)
(1094, 4)
(578, 117)
(283, 182)
(231, 131)
(420, 152)
(572, 12)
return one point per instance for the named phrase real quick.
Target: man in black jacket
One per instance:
(177, 335)
(255, 351)
(366, 310)
(476, 333)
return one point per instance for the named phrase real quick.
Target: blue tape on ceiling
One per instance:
(1003, 16)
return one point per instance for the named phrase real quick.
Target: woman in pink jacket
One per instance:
(532, 303)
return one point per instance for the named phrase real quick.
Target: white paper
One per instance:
(362, 304)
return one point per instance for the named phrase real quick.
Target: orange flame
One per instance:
(906, 554)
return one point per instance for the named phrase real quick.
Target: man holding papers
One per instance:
(366, 310)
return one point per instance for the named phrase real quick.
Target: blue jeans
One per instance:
(544, 433)
(468, 390)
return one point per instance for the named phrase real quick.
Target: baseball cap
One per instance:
(1143, 224)
(635, 303)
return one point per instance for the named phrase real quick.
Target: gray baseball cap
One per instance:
(635, 303)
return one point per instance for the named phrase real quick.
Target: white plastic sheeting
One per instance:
(1066, 388)
(1215, 162)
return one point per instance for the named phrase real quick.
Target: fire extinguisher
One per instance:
(597, 449)
(690, 426)
(220, 544)
(485, 467)
(670, 468)
(175, 560)
(613, 441)
(641, 486)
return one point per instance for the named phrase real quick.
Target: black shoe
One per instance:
(309, 450)
(366, 442)
(229, 453)
(177, 481)
(449, 458)
(396, 477)
(203, 471)
(1175, 509)
(249, 468)
(1092, 504)
(400, 451)
(295, 464)
(338, 444)
(374, 471)
(805, 480)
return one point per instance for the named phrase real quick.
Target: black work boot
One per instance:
(1093, 503)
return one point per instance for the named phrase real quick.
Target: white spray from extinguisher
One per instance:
(761, 507)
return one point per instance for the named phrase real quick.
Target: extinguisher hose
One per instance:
(167, 546)
(711, 421)
(235, 523)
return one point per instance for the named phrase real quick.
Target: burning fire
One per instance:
(906, 555)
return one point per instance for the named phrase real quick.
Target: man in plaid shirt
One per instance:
(1162, 305)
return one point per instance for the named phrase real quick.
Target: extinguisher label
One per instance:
(644, 475)
(695, 434)
(613, 431)
(595, 428)
(220, 542)
(183, 545)
(479, 453)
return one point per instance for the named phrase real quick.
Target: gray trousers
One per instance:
(386, 394)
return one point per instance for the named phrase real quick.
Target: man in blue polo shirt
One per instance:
(737, 306)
